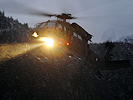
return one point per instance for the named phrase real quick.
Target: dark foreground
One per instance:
(27, 78)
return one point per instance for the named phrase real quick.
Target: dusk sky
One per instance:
(104, 19)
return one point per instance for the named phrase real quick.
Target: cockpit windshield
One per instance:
(50, 25)
(42, 25)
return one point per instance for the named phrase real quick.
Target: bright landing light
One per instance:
(49, 42)
(35, 34)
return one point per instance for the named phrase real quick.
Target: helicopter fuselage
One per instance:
(66, 36)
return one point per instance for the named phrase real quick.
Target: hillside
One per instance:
(12, 30)
(25, 77)
(121, 51)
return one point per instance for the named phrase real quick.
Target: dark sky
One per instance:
(104, 19)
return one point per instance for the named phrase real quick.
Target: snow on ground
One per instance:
(24, 77)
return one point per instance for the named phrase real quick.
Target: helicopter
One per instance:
(61, 35)
(72, 40)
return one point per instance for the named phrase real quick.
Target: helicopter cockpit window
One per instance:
(65, 30)
(79, 37)
(74, 34)
(50, 24)
(59, 26)
(42, 25)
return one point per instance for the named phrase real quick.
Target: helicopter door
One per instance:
(76, 43)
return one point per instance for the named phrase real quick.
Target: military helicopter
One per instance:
(61, 35)
(72, 40)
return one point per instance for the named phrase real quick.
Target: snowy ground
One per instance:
(30, 76)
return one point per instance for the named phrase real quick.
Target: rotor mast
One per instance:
(65, 16)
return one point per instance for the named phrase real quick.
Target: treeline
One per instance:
(12, 30)
(120, 51)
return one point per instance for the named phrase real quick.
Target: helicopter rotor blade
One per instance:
(66, 7)
(18, 8)
(84, 5)
(114, 20)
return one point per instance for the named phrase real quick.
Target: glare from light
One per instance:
(49, 42)
(35, 34)
(7, 51)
